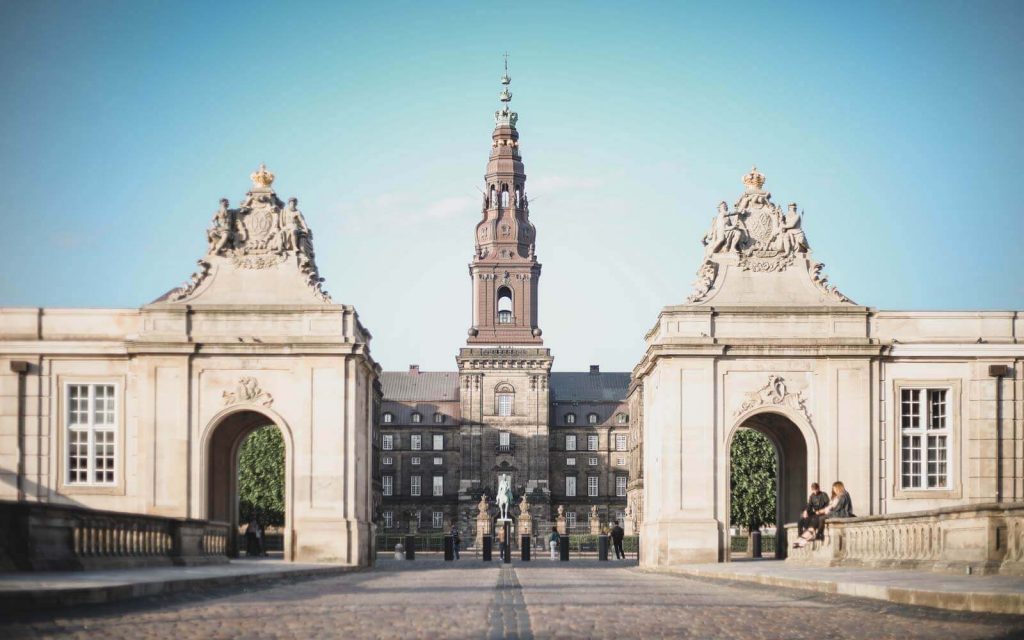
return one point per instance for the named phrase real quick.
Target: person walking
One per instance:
(617, 534)
(456, 540)
(553, 541)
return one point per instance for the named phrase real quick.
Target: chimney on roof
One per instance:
(595, 368)
(414, 369)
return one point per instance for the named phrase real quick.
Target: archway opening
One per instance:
(768, 476)
(246, 479)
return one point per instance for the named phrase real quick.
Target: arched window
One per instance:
(494, 196)
(504, 399)
(592, 418)
(519, 196)
(417, 417)
(388, 417)
(570, 418)
(504, 195)
(505, 305)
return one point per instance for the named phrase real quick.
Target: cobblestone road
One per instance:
(541, 599)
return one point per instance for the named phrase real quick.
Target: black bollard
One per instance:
(410, 547)
(488, 542)
(507, 556)
(755, 543)
(563, 548)
(602, 548)
(449, 549)
(524, 548)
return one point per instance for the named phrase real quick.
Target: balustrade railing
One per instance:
(983, 538)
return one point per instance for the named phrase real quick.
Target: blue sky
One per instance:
(895, 126)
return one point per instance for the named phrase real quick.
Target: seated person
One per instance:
(840, 506)
(817, 501)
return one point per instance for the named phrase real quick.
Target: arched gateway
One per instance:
(147, 407)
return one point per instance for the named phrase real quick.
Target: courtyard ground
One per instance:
(429, 598)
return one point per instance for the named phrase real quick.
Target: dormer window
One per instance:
(570, 418)
(417, 417)
(388, 417)
(622, 418)
(592, 418)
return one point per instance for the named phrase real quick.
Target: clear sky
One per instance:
(895, 126)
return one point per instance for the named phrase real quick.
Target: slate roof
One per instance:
(426, 385)
(582, 386)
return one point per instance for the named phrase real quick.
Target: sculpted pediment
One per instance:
(757, 254)
(258, 253)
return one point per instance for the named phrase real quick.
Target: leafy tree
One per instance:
(261, 477)
(753, 479)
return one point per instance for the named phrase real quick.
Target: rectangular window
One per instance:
(505, 404)
(415, 442)
(570, 443)
(570, 486)
(591, 443)
(438, 519)
(92, 433)
(438, 460)
(438, 442)
(620, 486)
(620, 442)
(388, 460)
(438, 485)
(414, 485)
(621, 461)
(925, 438)
(415, 461)
(592, 462)
(419, 518)
(387, 443)
(504, 438)
(387, 484)
(570, 520)
(389, 519)
(570, 462)
(591, 486)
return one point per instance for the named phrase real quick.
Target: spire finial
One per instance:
(505, 95)
(505, 115)
(262, 178)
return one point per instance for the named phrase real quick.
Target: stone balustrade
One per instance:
(43, 537)
(983, 538)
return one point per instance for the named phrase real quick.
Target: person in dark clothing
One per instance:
(815, 502)
(840, 506)
(617, 534)
(254, 538)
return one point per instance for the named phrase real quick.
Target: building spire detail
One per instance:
(505, 115)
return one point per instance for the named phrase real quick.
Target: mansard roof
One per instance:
(439, 386)
(581, 386)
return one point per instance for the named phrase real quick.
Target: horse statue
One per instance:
(504, 498)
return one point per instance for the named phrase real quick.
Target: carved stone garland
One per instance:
(774, 393)
(247, 390)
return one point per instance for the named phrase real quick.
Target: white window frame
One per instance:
(570, 418)
(592, 418)
(621, 461)
(955, 451)
(89, 430)
(438, 418)
(620, 486)
(416, 442)
(504, 438)
(388, 417)
(415, 461)
(438, 486)
(438, 441)
(417, 417)
(570, 462)
(570, 520)
(922, 429)
(621, 442)
(387, 442)
(504, 403)
(592, 461)
(438, 460)
(387, 485)
(570, 486)
(593, 442)
(623, 418)
(389, 519)
(415, 485)
(388, 460)
(438, 519)
(570, 442)
(592, 486)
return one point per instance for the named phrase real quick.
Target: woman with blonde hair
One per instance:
(840, 506)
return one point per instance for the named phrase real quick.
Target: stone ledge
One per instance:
(47, 590)
(954, 599)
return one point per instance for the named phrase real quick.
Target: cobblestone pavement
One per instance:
(542, 599)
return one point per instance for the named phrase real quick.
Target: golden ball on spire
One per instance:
(262, 177)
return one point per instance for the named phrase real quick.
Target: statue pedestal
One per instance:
(595, 526)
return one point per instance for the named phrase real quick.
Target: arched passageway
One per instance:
(791, 473)
(223, 449)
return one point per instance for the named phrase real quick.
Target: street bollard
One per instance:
(602, 548)
(487, 541)
(563, 548)
(410, 547)
(449, 548)
(755, 543)
(507, 555)
(399, 551)
(524, 548)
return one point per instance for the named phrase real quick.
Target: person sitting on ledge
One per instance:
(815, 502)
(841, 506)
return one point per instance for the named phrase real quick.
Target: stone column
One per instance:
(483, 520)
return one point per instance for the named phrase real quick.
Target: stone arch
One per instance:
(797, 456)
(220, 443)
